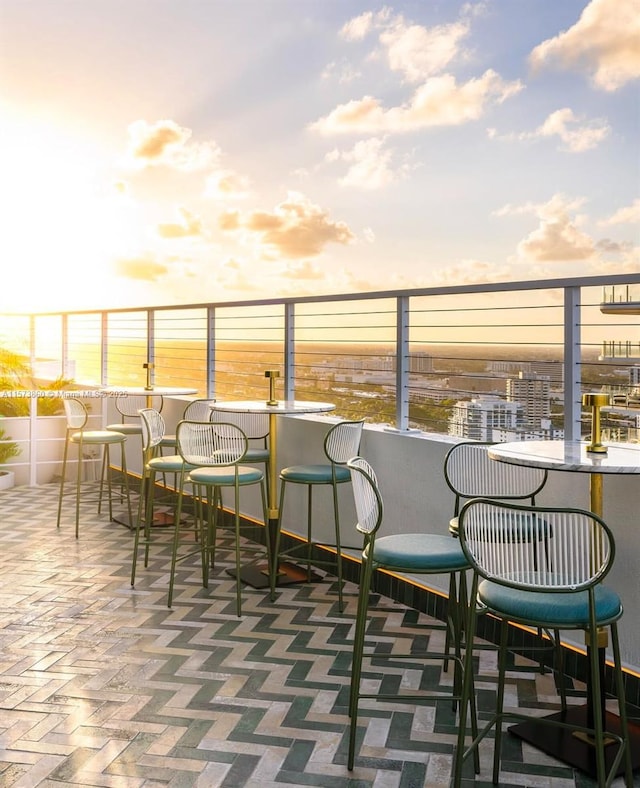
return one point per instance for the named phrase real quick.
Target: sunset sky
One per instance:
(185, 151)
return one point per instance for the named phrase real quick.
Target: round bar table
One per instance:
(254, 575)
(572, 456)
(148, 392)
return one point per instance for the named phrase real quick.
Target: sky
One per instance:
(157, 152)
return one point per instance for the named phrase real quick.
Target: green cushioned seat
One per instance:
(225, 475)
(97, 436)
(420, 552)
(315, 474)
(172, 463)
(126, 428)
(552, 609)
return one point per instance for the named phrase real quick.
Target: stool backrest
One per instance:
(254, 425)
(76, 413)
(130, 405)
(471, 473)
(366, 495)
(198, 410)
(495, 537)
(210, 445)
(342, 442)
(153, 428)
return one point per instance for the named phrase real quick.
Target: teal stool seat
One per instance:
(125, 428)
(548, 608)
(96, 437)
(257, 454)
(172, 463)
(225, 476)
(315, 474)
(419, 552)
(341, 443)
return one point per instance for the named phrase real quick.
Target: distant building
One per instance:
(486, 418)
(533, 392)
(553, 370)
(420, 363)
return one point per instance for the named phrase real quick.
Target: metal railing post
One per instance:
(211, 353)
(104, 348)
(151, 345)
(402, 363)
(289, 351)
(571, 363)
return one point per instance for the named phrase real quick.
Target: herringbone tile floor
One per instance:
(103, 685)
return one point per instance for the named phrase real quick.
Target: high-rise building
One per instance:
(420, 363)
(487, 418)
(532, 391)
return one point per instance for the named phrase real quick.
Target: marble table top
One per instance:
(283, 407)
(564, 455)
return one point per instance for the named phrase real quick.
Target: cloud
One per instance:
(558, 237)
(576, 135)
(168, 144)
(577, 140)
(343, 72)
(603, 43)
(358, 27)
(189, 225)
(144, 268)
(296, 228)
(440, 101)
(630, 214)
(370, 165)
(470, 271)
(226, 185)
(304, 270)
(416, 51)
(419, 52)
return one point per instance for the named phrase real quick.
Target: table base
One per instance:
(160, 520)
(573, 750)
(258, 576)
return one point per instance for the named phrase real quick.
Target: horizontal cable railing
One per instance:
(492, 362)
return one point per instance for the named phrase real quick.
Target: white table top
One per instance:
(284, 407)
(162, 391)
(561, 455)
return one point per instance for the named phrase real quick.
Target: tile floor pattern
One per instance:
(102, 685)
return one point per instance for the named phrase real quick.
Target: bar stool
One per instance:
(409, 553)
(129, 406)
(471, 473)
(197, 410)
(568, 596)
(218, 452)
(153, 429)
(341, 443)
(256, 427)
(77, 416)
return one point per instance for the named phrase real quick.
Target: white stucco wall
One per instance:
(410, 472)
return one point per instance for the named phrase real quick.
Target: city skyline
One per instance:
(177, 152)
